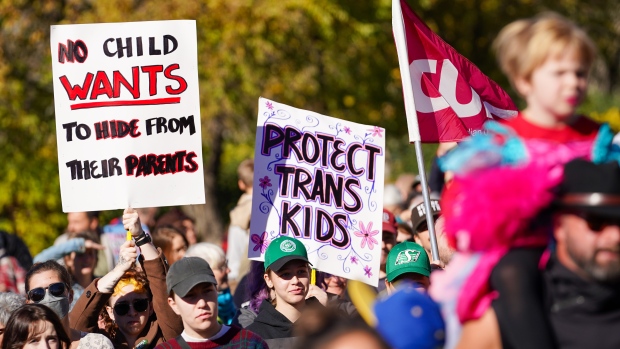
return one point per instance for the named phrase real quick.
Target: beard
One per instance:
(609, 273)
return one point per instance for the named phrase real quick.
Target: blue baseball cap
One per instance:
(410, 319)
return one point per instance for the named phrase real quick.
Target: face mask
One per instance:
(60, 305)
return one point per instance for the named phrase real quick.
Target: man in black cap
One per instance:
(422, 234)
(192, 290)
(575, 301)
(583, 276)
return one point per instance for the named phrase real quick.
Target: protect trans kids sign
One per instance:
(320, 180)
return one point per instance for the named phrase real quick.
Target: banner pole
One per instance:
(430, 220)
(400, 37)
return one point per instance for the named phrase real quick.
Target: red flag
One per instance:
(448, 97)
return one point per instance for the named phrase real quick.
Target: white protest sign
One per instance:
(320, 180)
(127, 115)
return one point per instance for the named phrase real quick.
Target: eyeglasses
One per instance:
(57, 289)
(139, 305)
(596, 222)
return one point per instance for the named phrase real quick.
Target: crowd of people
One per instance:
(526, 219)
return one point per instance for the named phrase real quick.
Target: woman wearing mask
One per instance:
(47, 284)
(134, 302)
(35, 326)
(287, 273)
(79, 255)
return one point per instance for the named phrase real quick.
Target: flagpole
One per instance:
(427, 203)
(412, 120)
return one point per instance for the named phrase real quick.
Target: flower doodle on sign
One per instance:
(260, 242)
(264, 182)
(353, 259)
(376, 131)
(347, 130)
(268, 194)
(367, 271)
(269, 105)
(366, 233)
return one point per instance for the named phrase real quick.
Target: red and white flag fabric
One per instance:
(447, 97)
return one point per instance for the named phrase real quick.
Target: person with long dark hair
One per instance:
(35, 326)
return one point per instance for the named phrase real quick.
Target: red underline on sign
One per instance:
(156, 101)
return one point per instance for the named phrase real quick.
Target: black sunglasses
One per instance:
(596, 222)
(57, 289)
(139, 305)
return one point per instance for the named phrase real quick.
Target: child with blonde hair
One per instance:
(547, 60)
(503, 180)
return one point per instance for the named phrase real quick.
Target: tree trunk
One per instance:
(208, 220)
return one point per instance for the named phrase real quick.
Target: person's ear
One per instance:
(241, 185)
(559, 232)
(110, 311)
(523, 86)
(70, 294)
(417, 239)
(268, 280)
(173, 305)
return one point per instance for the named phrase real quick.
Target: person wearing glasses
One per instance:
(79, 255)
(47, 284)
(132, 298)
(578, 290)
(35, 326)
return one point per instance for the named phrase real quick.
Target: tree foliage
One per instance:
(335, 57)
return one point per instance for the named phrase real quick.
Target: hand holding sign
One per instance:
(131, 222)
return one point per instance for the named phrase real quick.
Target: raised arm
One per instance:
(85, 313)
(155, 268)
(58, 251)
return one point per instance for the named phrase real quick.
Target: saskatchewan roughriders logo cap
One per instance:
(282, 250)
(407, 257)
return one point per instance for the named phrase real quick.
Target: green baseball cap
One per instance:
(407, 257)
(282, 250)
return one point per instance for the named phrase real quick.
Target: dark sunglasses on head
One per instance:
(57, 289)
(139, 305)
(596, 222)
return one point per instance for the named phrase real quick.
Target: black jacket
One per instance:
(275, 328)
(270, 323)
(584, 314)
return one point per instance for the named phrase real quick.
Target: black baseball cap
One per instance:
(591, 187)
(418, 213)
(186, 273)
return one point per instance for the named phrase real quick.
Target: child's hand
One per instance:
(131, 221)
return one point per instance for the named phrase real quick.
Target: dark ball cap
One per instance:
(186, 273)
(591, 188)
